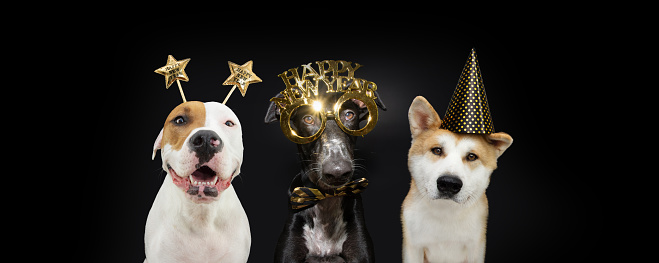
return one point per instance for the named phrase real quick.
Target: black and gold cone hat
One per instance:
(468, 111)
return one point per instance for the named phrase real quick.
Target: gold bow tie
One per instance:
(305, 196)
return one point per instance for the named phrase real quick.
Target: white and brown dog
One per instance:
(196, 216)
(445, 212)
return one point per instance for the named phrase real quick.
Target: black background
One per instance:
(541, 208)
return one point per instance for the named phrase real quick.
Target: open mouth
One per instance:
(204, 176)
(202, 183)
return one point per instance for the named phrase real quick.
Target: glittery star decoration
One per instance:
(241, 77)
(174, 71)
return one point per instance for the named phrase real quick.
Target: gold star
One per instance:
(174, 70)
(241, 76)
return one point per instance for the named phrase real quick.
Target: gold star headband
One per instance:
(174, 71)
(241, 76)
(303, 90)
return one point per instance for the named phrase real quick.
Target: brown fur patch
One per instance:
(423, 142)
(501, 141)
(484, 150)
(194, 112)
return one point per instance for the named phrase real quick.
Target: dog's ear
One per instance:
(273, 111)
(156, 145)
(378, 101)
(422, 116)
(501, 141)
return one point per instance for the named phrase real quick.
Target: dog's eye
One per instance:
(471, 157)
(308, 119)
(179, 120)
(349, 115)
(436, 151)
(229, 123)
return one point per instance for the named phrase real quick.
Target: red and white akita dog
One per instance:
(445, 212)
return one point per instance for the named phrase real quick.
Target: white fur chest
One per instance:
(445, 231)
(179, 231)
(326, 236)
(202, 245)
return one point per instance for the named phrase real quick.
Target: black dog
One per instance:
(332, 229)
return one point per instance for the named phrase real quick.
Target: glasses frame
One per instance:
(285, 118)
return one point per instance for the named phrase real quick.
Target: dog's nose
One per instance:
(449, 184)
(338, 170)
(205, 144)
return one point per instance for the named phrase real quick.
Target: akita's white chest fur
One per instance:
(442, 230)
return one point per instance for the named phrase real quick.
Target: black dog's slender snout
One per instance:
(449, 185)
(335, 154)
(205, 144)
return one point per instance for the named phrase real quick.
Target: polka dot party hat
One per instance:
(468, 111)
